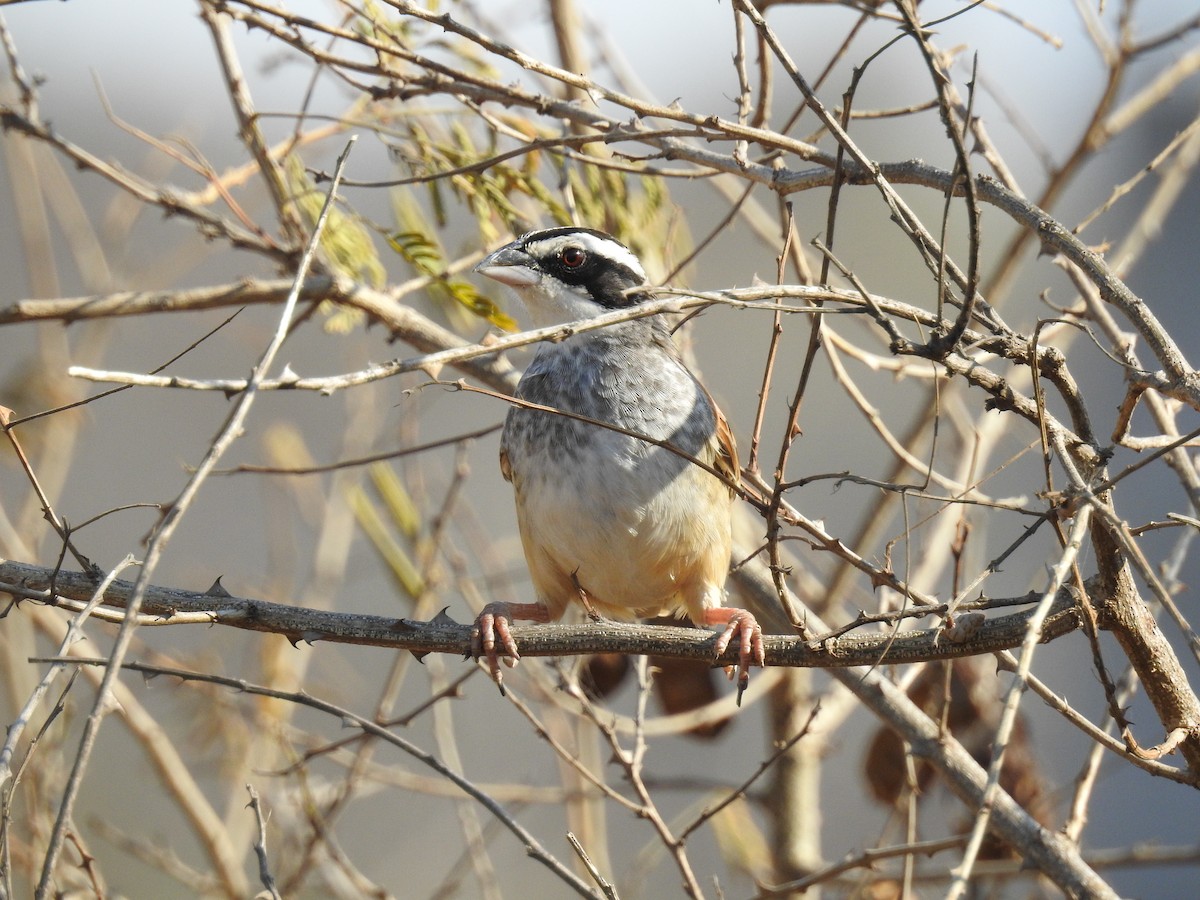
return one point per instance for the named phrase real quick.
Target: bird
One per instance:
(610, 516)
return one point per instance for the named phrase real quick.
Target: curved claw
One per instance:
(492, 639)
(750, 641)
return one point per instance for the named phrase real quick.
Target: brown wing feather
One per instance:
(726, 461)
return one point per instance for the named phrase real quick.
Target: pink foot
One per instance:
(490, 636)
(750, 643)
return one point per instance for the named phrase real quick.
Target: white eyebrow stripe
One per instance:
(593, 244)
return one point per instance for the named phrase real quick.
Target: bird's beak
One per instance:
(510, 265)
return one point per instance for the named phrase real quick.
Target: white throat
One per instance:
(550, 302)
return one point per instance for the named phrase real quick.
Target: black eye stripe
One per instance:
(588, 262)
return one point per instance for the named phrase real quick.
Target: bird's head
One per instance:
(567, 274)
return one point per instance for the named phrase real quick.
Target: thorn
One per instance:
(442, 618)
(217, 589)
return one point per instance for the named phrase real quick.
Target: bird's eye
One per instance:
(572, 257)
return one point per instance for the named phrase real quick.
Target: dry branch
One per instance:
(443, 635)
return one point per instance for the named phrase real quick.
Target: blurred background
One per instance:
(139, 85)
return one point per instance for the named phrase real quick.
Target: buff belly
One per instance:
(631, 532)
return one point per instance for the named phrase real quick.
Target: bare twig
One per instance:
(260, 844)
(1062, 571)
(609, 889)
(347, 716)
(17, 726)
(162, 535)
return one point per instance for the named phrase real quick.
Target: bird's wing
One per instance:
(726, 459)
(505, 465)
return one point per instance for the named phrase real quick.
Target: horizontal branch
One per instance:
(443, 635)
(447, 349)
(482, 360)
(402, 321)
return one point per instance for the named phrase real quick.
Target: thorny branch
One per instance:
(170, 606)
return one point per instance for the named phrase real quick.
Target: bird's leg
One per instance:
(491, 628)
(750, 643)
(585, 598)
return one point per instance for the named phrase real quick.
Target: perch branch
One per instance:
(443, 635)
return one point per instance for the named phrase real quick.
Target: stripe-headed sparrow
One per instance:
(609, 519)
